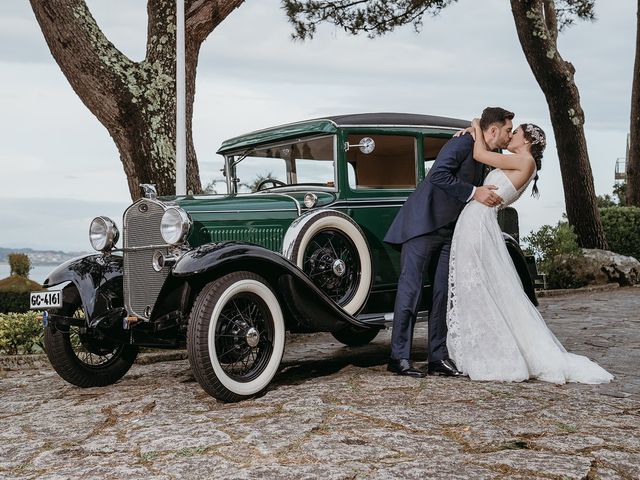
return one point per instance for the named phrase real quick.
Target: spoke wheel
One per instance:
(333, 251)
(81, 358)
(236, 336)
(244, 337)
(331, 260)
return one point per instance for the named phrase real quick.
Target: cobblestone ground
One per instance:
(335, 413)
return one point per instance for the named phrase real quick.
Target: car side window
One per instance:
(392, 164)
(431, 148)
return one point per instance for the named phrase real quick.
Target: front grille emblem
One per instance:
(143, 208)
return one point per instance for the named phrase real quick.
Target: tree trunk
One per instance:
(633, 165)
(135, 101)
(537, 29)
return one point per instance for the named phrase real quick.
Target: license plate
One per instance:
(45, 300)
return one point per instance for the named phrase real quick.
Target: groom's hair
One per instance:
(491, 115)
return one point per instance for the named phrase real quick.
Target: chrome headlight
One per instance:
(103, 234)
(310, 200)
(175, 225)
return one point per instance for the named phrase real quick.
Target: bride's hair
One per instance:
(536, 136)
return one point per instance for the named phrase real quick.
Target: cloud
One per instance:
(60, 168)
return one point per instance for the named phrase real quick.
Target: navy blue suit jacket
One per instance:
(442, 195)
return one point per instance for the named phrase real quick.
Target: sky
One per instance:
(59, 168)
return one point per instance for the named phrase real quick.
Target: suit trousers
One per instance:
(426, 254)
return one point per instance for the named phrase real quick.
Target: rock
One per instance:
(610, 267)
(593, 267)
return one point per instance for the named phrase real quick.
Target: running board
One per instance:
(386, 319)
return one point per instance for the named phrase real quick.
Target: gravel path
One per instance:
(335, 413)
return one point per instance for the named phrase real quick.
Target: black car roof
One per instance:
(331, 124)
(409, 119)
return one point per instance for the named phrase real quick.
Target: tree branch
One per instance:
(94, 67)
(551, 20)
(374, 17)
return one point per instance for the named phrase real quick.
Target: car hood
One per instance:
(268, 201)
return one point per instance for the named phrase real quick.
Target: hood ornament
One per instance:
(149, 190)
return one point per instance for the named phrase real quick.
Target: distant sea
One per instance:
(38, 273)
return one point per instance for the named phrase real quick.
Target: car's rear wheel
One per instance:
(332, 250)
(236, 336)
(82, 359)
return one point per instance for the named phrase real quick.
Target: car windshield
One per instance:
(300, 161)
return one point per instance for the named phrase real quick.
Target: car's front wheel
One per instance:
(83, 359)
(236, 336)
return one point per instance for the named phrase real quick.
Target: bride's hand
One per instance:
(470, 130)
(475, 123)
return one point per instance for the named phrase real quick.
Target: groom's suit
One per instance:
(423, 228)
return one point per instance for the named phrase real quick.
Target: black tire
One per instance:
(328, 237)
(355, 337)
(236, 336)
(82, 361)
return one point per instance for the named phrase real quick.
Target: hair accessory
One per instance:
(536, 134)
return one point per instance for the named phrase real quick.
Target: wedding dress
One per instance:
(494, 331)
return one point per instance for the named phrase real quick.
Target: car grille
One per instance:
(142, 283)
(267, 236)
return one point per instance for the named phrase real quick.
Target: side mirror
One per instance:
(366, 145)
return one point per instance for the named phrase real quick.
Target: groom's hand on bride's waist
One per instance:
(486, 195)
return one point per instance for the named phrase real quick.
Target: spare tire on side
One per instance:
(333, 251)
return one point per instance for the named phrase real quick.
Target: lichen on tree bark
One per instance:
(135, 101)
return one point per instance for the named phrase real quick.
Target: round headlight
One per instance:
(175, 225)
(103, 233)
(310, 200)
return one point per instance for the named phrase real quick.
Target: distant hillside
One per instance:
(39, 257)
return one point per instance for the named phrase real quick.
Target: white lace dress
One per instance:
(494, 331)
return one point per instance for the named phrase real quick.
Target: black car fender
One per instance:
(305, 306)
(519, 261)
(97, 279)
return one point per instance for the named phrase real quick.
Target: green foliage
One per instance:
(567, 271)
(548, 242)
(20, 333)
(20, 264)
(622, 229)
(618, 199)
(606, 201)
(558, 255)
(14, 293)
(14, 302)
(620, 191)
(377, 17)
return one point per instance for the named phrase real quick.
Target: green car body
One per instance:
(295, 245)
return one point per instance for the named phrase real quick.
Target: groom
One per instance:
(423, 229)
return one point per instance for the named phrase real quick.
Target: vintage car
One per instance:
(227, 275)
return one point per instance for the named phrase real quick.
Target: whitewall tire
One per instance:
(236, 336)
(333, 251)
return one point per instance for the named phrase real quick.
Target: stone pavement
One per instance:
(334, 413)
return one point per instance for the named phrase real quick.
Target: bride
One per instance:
(494, 331)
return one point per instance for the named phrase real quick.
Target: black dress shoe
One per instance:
(403, 366)
(444, 367)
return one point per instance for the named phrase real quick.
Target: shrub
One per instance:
(20, 264)
(558, 255)
(14, 293)
(622, 230)
(567, 271)
(20, 333)
(549, 242)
